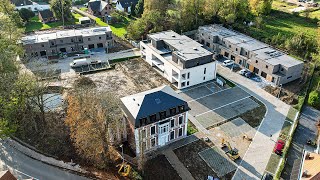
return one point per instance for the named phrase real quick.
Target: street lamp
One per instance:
(122, 153)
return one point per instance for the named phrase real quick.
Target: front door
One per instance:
(163, 137)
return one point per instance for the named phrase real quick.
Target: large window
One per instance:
(172, 111)
(153, 118)
(143, 121)
(172, 123)
(181, 108)
(153, 142)
(180, 132)
(153, 130)
(163, 115)
(143, 133)
(180, 120)
(171, 135)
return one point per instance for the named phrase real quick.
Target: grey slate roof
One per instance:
(127, 3)
(45, 14)
(97, 5)
(153, 101)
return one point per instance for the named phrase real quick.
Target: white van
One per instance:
(83, 62)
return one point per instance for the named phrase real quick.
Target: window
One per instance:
(180, 120)
(52, 43)
(205, 70)
(183, 84)
(256, 61)
(204, 78)
(246, 53)
(143, 121)
(61, 41)
(172, 123)
(198, 63)
(188, 75)
(180, 132)
(267, 66)
(99, 37)
(236, 49)
(187, 83)
(181, 108)
(289, 77)
(42, 45)
(172, 111)
(153, 130)
(208, 44)
(171, 135)
(163, 115)
(281, 69)
(153, 142)
(143, 133)
(229, 46)
(71, 40)
(144, 146)
(89, 39)
(80, 40)
(163, 129)
(153, 118)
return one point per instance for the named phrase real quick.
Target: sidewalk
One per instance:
(258, 154)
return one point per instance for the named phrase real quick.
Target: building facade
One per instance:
(181, 60)
(68, 41)
(271, 64)
(155, 118)
(125, 5)
(99, 7)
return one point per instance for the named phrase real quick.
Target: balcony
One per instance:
(157, 62)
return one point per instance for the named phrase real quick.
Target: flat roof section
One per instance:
(216, 29)
(311, 166)
(32, 39)
(275, 57)
(185, 47)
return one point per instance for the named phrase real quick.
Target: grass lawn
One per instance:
(282, 6)
(191, 129)
(83, 9)
(35, 24)
(273, 163)
(315, 14)
(118, 29)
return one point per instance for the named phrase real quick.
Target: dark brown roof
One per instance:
(45, 14)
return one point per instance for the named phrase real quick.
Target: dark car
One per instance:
(278, 147)
(248, 74)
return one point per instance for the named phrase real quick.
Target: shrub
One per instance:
(313, 99)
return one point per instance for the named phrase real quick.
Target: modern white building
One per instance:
(181, 60)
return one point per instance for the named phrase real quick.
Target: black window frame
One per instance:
(180, 118)
(154, 130)
(180, 133)
(172, 133)
(172, 121)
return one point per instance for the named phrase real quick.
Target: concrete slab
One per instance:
(210, 119)
(195, 93)
(218, 161)
(236, 127)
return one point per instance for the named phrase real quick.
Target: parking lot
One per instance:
(213, 105)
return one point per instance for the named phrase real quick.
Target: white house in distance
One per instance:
(181, 60)
(155, 118)
(125, 5)
(33, 6)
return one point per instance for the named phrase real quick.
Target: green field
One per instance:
(119, 29)
(35, 24)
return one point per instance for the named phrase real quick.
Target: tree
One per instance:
(302, 45)
(139, 8)
(314, 99)
(8, 9)
(94, 119)
(157, 5)
(133, 10)
(61, 9)
(26, 14)
(260, 7)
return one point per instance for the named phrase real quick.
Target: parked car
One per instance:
(227, 62)
(279, 147)
(243, 71)
(83, 62)
(249, 74)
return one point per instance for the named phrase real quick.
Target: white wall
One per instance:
(119, 7)
(196, 73)
(35, 7)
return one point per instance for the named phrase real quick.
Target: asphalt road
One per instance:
(24, 167)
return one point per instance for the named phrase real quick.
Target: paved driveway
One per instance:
(212, 105)
(257, 156)
(305, 130)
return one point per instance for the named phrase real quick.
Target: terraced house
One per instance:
(181, 60)
(271, 64)
(68, 41)
(155, 118)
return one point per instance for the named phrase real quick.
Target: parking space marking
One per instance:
(208, 88)
(209, 94)
(223, 106)
(186, 90)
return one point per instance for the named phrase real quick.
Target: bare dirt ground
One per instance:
(120, 45)
(159, 168)
(190, 158)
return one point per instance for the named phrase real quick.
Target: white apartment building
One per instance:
(181, 60)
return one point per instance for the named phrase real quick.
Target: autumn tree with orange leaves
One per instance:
(94, 119)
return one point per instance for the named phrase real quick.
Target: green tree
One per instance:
(139, 8)
(314, 99)
(260, 7)
(60, 7)
(302, 45)
(26, 14)
(7, 8)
